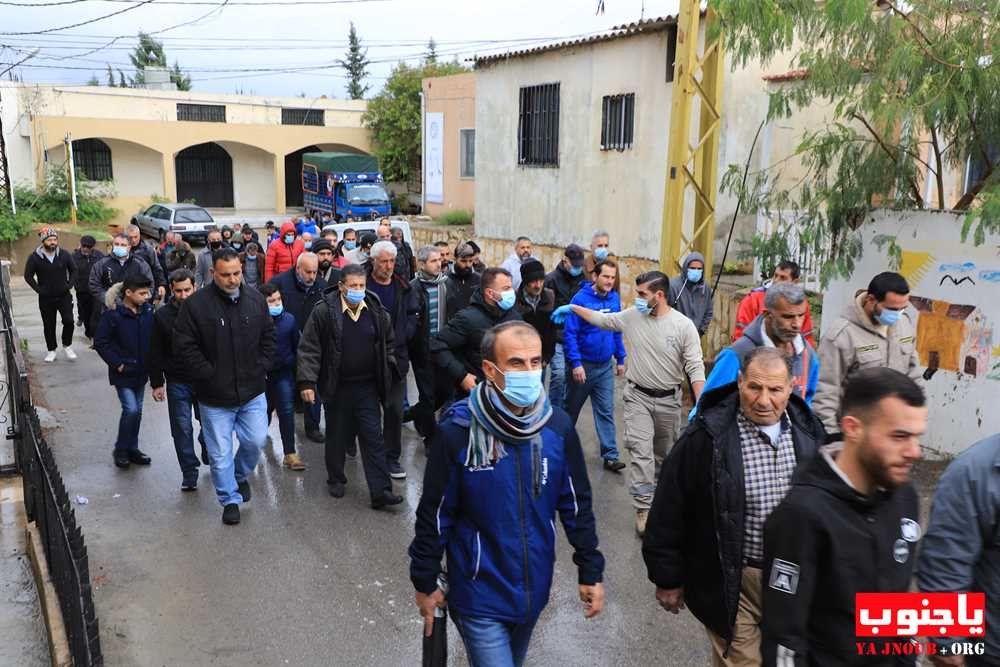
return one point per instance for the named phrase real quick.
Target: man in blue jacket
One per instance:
(588, 353)
(122, 340)
(780, 326)
(281, 375)
(503, 462)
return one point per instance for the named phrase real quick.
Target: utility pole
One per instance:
(68, 141)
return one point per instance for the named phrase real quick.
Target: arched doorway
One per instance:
(293, 175)
(205, 175)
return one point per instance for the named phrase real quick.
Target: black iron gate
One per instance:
(205, 175)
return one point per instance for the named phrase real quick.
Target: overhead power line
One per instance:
(262, 3)
(82, 23)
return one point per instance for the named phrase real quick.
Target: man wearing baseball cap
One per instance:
(564, 281)
(52, 273)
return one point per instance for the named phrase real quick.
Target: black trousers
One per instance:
(354, 413)
(392, 422)
(51, 306)
(435, 389)
(85, 311)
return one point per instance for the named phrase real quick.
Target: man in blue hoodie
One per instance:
(589, 350)
(502, 464)
(122, 340)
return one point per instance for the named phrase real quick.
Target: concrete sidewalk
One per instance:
(305, 579)
(22, 629)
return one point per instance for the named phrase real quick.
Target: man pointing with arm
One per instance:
(665, 349)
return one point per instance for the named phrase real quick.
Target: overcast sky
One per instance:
(218, 49)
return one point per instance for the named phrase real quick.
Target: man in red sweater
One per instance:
(752, 304)
(282, 252)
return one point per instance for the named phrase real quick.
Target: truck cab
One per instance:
(344, 184)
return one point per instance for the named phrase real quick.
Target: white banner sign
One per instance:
(434, 158)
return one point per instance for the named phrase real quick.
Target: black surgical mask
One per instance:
(215, 245)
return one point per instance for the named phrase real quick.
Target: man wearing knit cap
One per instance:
(536, 302)
(323, 249)
(52, 273)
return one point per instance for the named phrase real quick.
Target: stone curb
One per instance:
(49, 600)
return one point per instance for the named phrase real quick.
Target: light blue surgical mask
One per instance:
(289, 239)
(522, 388)
(601, 254)
(355, 296)
(575, 270)
(119, 251)
(275, 310)
(308, 244)
(643, 306)
(694, 275)
(507, 300)
(350, 245)
(889, 317)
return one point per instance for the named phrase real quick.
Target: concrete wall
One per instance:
(965, 390)
(253, 176)
(455, 96)
(591, 188)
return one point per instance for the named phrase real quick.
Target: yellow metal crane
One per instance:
(693, 167)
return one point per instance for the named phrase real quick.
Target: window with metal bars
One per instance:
(538, 126)
(467, 153)
(93, 158)
(202, 113)
(302, 117)
(617, 122)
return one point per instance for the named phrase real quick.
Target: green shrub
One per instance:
(52, 202)
(13, 227)
(457, 216)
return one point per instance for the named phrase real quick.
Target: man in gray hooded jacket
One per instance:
(690, 294)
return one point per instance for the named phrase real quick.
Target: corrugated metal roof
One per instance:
(617, 32)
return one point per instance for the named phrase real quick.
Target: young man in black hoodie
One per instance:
(84, 258)
(848, 525)
(52, 273)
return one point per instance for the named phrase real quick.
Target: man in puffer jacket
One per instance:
(282, 252)
(502, 465)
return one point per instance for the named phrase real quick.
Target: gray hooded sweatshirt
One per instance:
(692, 299)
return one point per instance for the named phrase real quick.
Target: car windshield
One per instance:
(367, 193)
(193, 215)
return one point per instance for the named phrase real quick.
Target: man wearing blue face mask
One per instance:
(876, 329)
(690, 293)
(503, 465)
(564, 281)
(600, 250)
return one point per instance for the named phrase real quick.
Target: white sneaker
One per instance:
(70, 354)
(50, 357)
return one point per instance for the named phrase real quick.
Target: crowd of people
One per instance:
(783, 491)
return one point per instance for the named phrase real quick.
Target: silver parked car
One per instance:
(190, 221)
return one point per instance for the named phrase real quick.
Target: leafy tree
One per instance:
(393, 116)
(356, 66)
(431, 56)
(150, 53)
(913, 91)
(111, 77)
(180, 79)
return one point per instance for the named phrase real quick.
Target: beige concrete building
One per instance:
(222, 151)
(454, 97)
(573, 137)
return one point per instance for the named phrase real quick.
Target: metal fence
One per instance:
(45, 499)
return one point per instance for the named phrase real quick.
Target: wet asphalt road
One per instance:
(306, 579)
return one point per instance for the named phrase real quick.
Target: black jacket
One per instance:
(227, 346)
(317, 364)
(564, 287)
(110, 270)
(540, 317)
(84, 263)
(50, 279)
(457, 347)
(406, 316)
(461, 289)
(694, 533)
(297, 299)
(147, 252)
(823, 544)
(163, 364)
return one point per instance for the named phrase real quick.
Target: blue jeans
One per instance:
(600, 388)
(490, 643)
(312, 415)
(180, 401)
(218, 423)
(557, 378)
(131, 417)
(281, 399)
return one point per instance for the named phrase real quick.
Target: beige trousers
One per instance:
(652, 425)
(745, 649)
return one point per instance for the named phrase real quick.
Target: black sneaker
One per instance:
(396, 471)
(614, 465)
(386, 499)
(121, 460)
(189, 484)
(244, 489)
(336, 489)
(316, 435)
(137, 457)
(204, 452)
(231, 514)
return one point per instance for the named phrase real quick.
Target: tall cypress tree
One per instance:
(356, 66)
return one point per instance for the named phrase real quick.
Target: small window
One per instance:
(617, 121)
(302, 117)
(671, 51)
(93, 158)
(467, 153)
(978, 166)
(538, 126)
(202, 113)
